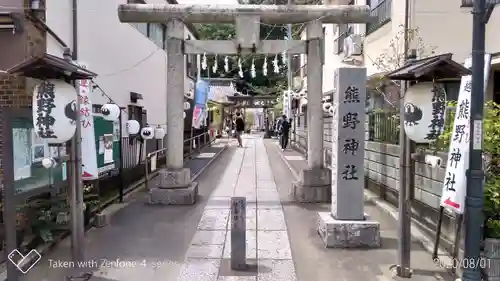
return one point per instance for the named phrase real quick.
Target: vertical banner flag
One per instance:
(200, 102)
(89, 152)
(454, 184)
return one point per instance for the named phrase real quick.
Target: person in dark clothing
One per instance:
(284, 131)
(240, 127)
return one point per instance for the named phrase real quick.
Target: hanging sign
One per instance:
(108, 148)
(89, 151)
(425, 111)
(454, 184)
(54, 111)
(200, 101)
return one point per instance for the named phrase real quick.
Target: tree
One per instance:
(393, 58)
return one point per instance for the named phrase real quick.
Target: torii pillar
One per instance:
(175, 186)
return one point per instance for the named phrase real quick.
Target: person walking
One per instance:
(240, 127)
(284, 130)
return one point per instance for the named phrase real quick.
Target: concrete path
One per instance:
(247, 174)
(142, 242)
(192, 243)
(314, 262)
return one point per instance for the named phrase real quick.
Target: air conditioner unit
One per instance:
(352, 45)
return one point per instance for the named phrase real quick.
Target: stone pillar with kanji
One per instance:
(347, 226)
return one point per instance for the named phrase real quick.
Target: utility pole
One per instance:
(76, 184)
(289, 66)
(405, 173)
(475, 174)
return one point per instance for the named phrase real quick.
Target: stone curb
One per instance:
(286, 162)
(210, 162)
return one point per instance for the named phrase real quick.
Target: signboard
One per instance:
(89, 157)
(454, 184)
(348, 149)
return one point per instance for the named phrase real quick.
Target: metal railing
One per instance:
(381, 15)
(191, 146)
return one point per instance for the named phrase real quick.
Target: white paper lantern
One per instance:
(326, 107)
(159, 133)
(425, 112)
(187, 105)
(110, 112)
(49, 162)
(133, 127)
(147, 133)
(54, 111)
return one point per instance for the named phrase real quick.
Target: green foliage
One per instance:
(491, 150)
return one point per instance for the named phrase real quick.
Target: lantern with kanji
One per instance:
(54, 111)
(425, 112)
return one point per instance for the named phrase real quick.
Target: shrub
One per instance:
(491, 151)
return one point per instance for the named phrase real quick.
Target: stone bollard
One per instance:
(238, 233)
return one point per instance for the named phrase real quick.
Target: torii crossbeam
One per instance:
(176, 186)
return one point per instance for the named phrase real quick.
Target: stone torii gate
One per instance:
(176, 186)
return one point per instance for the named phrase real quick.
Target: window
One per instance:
(137, 113)
(381, 11)
(156, 32)
(28, 151)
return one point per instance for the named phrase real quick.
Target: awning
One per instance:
(50, 67)
(430, 69)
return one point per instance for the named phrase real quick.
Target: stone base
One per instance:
(174, 178)
(314, 186)
(348, 234)
(174, 196)
(101, 220)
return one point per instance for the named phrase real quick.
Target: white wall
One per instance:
(125, 60)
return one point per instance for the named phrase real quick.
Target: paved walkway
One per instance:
(248, 174)
(314, 262)
(141, 242)
(192, 243)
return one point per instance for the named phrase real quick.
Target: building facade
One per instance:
(382, 40)
(128, 58)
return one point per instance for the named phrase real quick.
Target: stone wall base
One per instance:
(348, 234)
